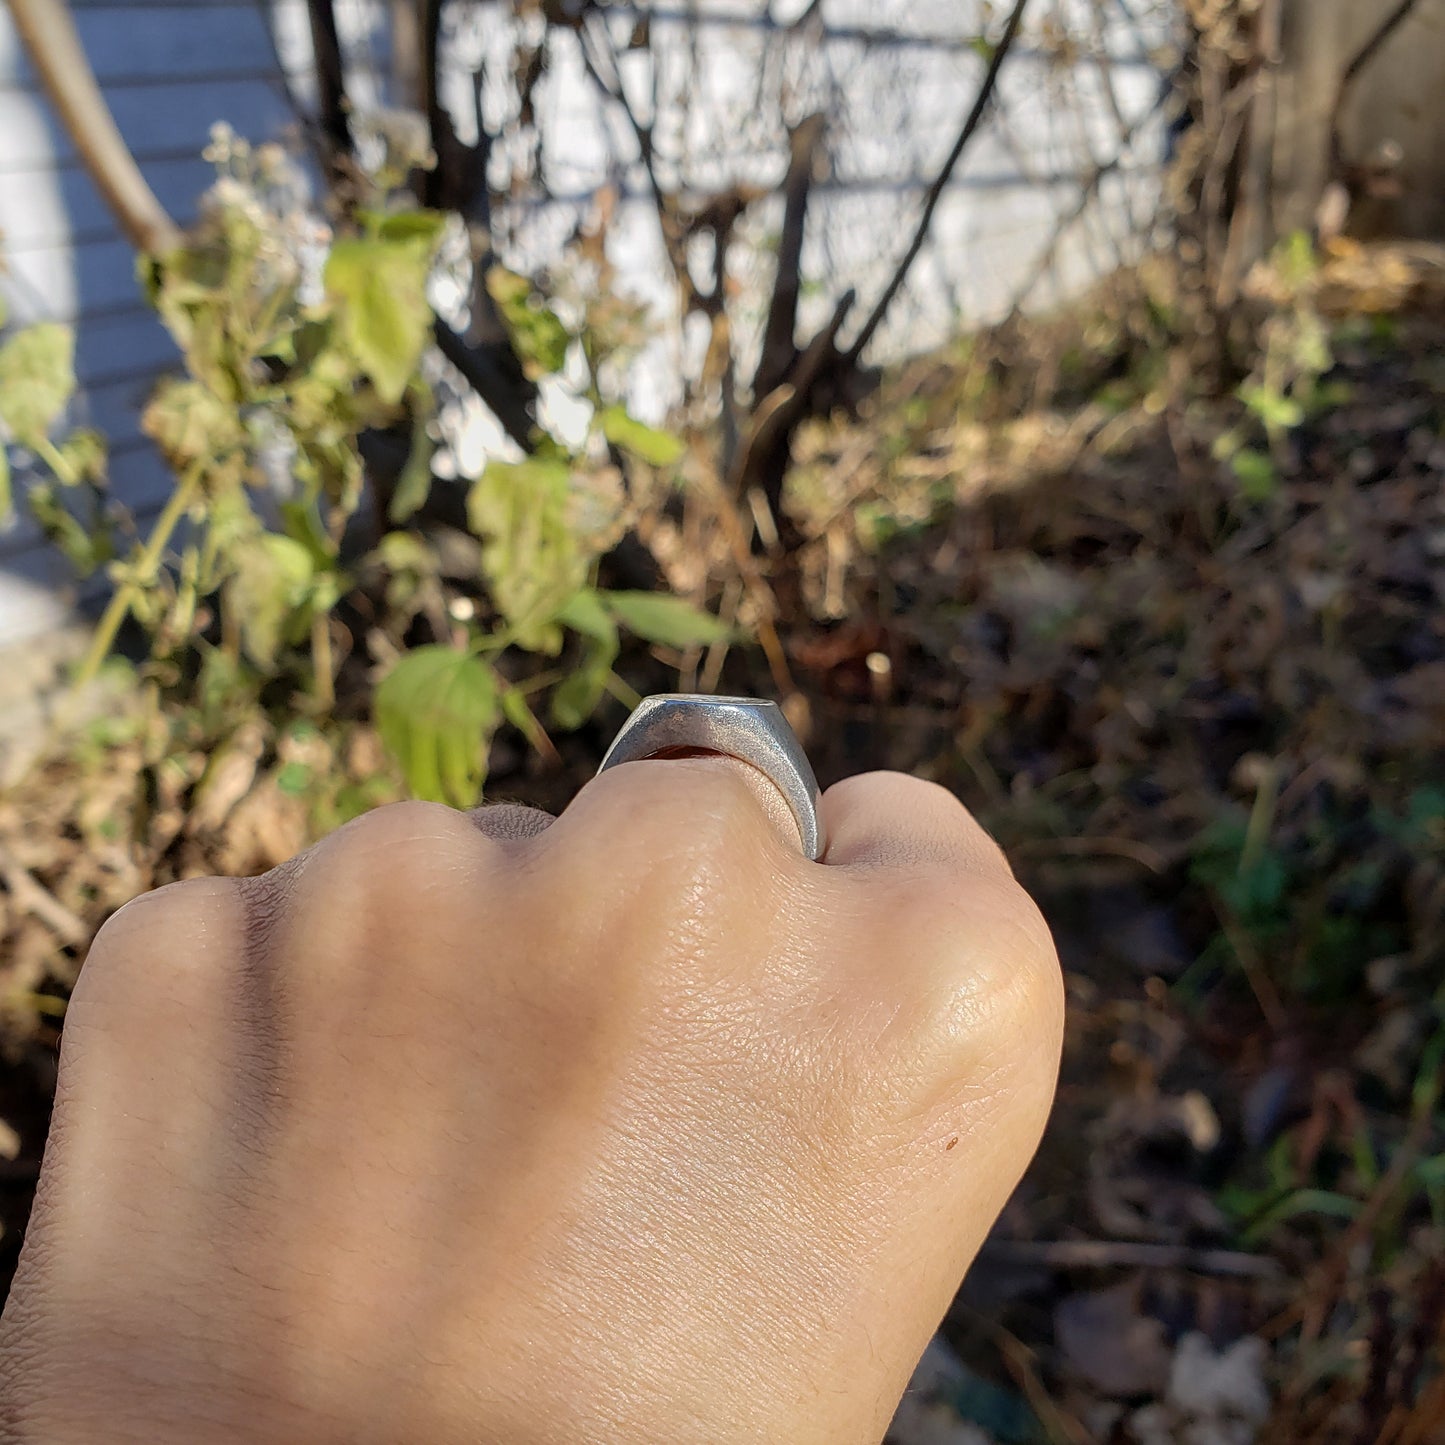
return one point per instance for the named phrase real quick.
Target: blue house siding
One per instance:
(169, 71)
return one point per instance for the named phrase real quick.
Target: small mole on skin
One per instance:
(950, 1144)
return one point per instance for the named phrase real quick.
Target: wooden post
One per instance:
(1357, 108)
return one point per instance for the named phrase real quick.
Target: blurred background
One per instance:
(1043, 397)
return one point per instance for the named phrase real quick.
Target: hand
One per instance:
(638, 1127)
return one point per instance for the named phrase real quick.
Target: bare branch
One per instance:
(599, 56)
(490, 367)
(333, 117)
(406, 61)
(484, 355)
(458, 182)
(935, 191)
(48, 33)
(763, 458)
(1249, 226)
(779, 336)
(428, 54)
(1376, 43)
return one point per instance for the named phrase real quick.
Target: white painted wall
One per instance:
(897, 76)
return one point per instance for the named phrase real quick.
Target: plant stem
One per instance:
(120, 605)
(624, 694)
(1261, 821)
(532, 728)
(322, 663)
(55, 459)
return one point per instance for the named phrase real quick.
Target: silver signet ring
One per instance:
(751, 729)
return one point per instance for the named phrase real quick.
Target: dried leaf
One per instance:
(1110, 1344)
(37, 377)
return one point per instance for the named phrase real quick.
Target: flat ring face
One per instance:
(750, 729)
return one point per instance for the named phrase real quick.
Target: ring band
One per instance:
(750, 729)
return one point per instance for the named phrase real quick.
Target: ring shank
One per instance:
(752, 730)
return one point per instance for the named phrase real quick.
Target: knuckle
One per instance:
(399, 895)
(669, 824)
(403, 853)
(990, 996)
(174, 940)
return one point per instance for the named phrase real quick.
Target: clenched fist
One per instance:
(635, 1126)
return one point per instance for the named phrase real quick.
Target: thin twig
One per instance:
(1130, 1254)
(187, 491)
(1022, 1364)
(1260, 983)
(1140, 853)
(1088, 191)
(940, 183)
(406, 60)
(1417, 1136)
(765, 603)
(33, 897)
(613, 87)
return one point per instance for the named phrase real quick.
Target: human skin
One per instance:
(637, 1127)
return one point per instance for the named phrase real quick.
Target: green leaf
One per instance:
(37, 377)
(658, 617)
(537, 331)
(575, 699)
(1277, 411)
(418, 225)
(383, 315)
(1297, 259)
(84, 454)
(533, 558)
(1301, 1202)
(86, 551)
(517, 712)
(406, 552)
(1226, 446)
(303, 525)
(413, 486)
(585, 613)
(270, 594)
(1257, 475)
(293, 779)
(656, 448)
(436, 711)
